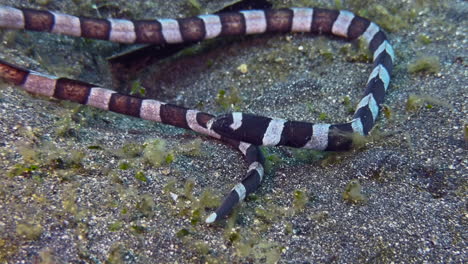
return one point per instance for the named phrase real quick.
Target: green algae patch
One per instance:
(156, 154)
(193, 148)
(188, 189)
(360, 141)
(170, 186)
(118, 254)
(356, 52)
(267, 251)
(353, 193)
(47, 256)
(247, 242)
(387, 19)
(137, 89)
(130, 150)
(196, 5)
(146, 205)
(141, 176)
(417, 102)
(72, 120)
(188, 204)
(308, 155)
(116, 226)
(268, 212)
(169, 158)
(414, 103)
(138, 230)
(95, 147)
(124, 165)
(424, 39)
(229, 100)
(322, 117)
(201, 247)
(390, 17)
(272, 161)
(182, 233)
(387, 111)
(70, 206)
(348, 105)
(45, 159)
(22, 170)
(426, 65)
(261, 251)
(209, 200)
(29, 231)
(300, 200)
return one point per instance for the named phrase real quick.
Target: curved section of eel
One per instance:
(243, 131)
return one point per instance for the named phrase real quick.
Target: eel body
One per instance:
(243, 131)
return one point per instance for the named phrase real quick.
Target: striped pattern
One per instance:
(88, 94)
(273, 132)
(243, 131)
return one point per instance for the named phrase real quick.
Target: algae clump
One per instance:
(29, 231)
(156, 154)
(353, 193)
(429, 65)
(300, 200)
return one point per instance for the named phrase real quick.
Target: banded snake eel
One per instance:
(243, 131)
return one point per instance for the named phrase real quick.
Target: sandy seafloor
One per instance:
(70, 199)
